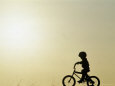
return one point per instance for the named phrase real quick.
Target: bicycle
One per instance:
(69, 80)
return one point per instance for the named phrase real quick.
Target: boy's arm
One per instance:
(79, 62)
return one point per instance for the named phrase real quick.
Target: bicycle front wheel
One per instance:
(68, 81)
(93, 81)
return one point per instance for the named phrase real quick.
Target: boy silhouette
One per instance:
(85, 65)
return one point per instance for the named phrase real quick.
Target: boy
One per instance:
(85, 65)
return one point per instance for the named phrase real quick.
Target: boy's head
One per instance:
(82, 55)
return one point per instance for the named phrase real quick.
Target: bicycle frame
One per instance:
(74, 73)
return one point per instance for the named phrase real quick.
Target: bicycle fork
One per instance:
(72, 76)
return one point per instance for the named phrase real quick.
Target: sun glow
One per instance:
(20, 38)
(21, 32)
(15, 36)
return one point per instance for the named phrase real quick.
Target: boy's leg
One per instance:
(84, 73)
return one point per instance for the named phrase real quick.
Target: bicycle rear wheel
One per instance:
(68, 81)
(93, 81)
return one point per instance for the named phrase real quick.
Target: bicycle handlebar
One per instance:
(75, 69)
(74, 66)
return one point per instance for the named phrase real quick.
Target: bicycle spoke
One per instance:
(68, 81)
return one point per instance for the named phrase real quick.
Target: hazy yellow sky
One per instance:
(40, 40)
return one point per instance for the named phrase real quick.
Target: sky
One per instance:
(40, 40)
